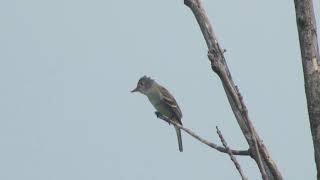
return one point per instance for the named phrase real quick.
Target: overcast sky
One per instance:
(67, 66)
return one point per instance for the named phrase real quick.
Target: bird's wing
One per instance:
(170, 101)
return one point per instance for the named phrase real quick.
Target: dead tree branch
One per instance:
(232, 157)
(219, 66)
(307, 31)
(210, 144)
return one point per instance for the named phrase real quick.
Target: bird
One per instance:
(162, 101)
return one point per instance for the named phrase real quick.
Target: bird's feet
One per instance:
(160, 116)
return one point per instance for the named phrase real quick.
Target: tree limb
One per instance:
(307, 31)
(219, 66)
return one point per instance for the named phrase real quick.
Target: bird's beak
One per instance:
(135, 90)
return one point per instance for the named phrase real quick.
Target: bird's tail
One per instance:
(178, 131)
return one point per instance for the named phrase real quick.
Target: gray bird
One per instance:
(162, 101)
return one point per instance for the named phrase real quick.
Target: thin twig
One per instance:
(210, 144)
(259, 159)
(254, 138)
(232, 157)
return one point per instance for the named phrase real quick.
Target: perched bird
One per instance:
(162, 101)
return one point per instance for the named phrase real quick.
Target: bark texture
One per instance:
(307, 31)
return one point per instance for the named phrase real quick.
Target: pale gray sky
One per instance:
(67, 66)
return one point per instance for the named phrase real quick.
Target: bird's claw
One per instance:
(160, 116)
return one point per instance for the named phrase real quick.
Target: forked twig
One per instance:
(232, 157)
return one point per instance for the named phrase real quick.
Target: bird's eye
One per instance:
(142, 83)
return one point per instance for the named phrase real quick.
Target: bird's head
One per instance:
(144, 84)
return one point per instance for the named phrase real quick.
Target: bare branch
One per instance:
(254, 137)
(307, 30)
(259, 159)
(219, 66)
(232, 157)
(266, 160)
(208, 143)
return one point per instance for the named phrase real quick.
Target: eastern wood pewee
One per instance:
(162, 101)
